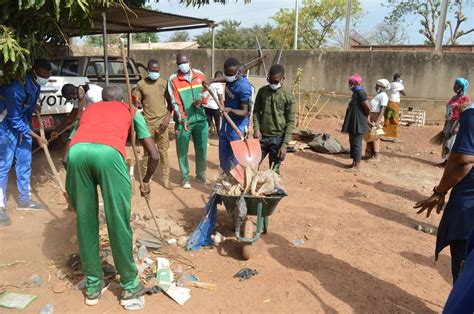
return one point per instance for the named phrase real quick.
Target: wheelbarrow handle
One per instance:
(226, 116)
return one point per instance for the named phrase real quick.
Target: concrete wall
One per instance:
(428, 78)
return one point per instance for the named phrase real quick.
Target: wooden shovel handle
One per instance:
(226, 116)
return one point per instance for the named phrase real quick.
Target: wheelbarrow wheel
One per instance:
(248, 250)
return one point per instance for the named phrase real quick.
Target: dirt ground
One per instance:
(362, 252)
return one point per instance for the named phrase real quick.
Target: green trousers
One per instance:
(199, 131)
(90, 165)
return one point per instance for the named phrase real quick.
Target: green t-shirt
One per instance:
(152, 94)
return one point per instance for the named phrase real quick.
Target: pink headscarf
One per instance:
(355, 79)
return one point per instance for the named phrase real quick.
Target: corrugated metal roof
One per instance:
(138, 20)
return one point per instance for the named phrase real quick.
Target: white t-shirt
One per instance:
(380, 100)
(93, 95)
(217, 89)
(394, 91)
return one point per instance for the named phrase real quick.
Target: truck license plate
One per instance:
(48, 122)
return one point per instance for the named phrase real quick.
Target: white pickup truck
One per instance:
(79, 71)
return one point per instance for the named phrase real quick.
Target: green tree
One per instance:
(181, 36)
(230, 35)
(145, 38)
(33, 28)
(428, 11)
(317, 22)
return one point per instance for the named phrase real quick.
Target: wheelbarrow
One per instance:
(260, 206)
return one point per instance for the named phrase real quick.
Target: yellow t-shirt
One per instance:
(152, 95)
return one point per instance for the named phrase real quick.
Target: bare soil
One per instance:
(361, 251)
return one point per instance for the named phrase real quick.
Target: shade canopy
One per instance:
(137, 20)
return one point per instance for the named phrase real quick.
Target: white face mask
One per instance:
(183, 68)
(275, 86)
(41, 81)
(230, 79)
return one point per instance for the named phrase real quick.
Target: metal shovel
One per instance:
(247, 151)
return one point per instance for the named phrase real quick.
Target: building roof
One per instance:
(166, 45)
(138, 20)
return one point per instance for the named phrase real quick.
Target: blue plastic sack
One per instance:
(201, 236)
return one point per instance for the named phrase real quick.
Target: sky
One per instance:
(260, 11)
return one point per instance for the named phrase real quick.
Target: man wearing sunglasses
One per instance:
(274, 117)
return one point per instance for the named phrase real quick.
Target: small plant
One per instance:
(306, 104)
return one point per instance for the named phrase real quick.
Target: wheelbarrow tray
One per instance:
(269, 203)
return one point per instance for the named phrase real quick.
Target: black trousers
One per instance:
(213, 114)
(458, 254)
(271, 146)
(355, 141)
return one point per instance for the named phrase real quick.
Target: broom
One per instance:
(437, 139)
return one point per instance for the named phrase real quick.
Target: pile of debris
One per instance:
(323, 143)
(257, 183)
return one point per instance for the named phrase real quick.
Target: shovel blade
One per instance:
(238, 172)
(248, 153)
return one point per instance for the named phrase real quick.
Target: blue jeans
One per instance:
(17, 146)
(227, 159)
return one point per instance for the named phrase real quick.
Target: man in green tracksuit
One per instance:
(274, 117)
(96, 156)
(185, 90)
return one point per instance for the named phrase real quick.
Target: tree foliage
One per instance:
(33, 28)
(429, 12)
(230, 35)
(388, 34)
(317, 22)
(180, 36)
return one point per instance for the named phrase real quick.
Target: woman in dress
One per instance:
(356, 119)
(392, 119)
(454, 107)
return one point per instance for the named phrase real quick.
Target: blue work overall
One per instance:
(17, 104)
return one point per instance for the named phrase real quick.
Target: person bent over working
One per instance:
(96, 157)
(274, 117)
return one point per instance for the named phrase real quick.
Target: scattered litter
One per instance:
(267, 301)
(306, 237)
(164, 275)
(428, 230)
(297, 242)
(19, 301)
(61, 273)
(419, 227)
(182, 240)
(184, 280)
(202, 285)
(34, 281)
(172, 241)
(142, 253)
(201, 235)
(149, 244)
(47, 309)
(245, 273)
(134, 304)
(179, 294)
(60, 287)
(12, 264)
(218, 238)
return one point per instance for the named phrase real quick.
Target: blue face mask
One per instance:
(183, 68)
(153, 75)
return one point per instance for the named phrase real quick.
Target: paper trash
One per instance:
(179, 294)
(12, 300)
